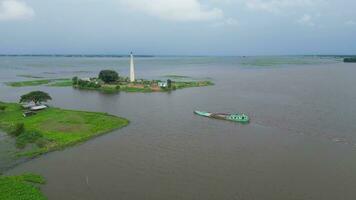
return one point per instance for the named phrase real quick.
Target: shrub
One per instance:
(75, 80)
(2, 107)
(169, 83)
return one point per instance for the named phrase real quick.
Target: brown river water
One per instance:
(300, 144)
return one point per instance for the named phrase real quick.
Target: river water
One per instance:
(300, 144)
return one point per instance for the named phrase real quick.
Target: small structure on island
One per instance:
(162, 84)
(39, 107)
(132, 68)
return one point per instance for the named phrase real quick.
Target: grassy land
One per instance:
(182, 85)
(55, 128)
(38, 82)
(139, 87)
(23, 187)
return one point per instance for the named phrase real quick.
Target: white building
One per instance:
(132, 68)
(162, 84)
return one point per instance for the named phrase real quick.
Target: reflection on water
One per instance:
(299, 145)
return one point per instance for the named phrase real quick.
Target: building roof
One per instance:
(41, 107)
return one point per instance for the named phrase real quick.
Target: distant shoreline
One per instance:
(152, 56)
(74, 55)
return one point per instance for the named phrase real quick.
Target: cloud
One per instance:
(15, 10)
(277, 6)
(175, 10)
(306, 20)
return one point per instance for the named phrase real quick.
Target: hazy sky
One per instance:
(178, 27)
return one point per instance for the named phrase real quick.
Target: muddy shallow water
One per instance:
(300, 144)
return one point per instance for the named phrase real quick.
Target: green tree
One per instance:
(169, 83)
(2, 107)
(75, 80)
(36, 97)
(108, 76)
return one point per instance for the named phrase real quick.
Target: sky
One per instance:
(178, 27)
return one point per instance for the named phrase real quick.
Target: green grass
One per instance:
(182, 85)
(38, 82)
(126, 88)
(55, 128)
(22, 187)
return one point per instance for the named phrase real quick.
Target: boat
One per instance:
(242, 118)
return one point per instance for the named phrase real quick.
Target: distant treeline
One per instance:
(73, 55)
(350, 60)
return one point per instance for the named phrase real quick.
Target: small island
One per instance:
(110, 81)
(38, 128)
(350, 60)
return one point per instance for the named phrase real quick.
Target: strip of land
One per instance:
(52, 82)
(54, 128)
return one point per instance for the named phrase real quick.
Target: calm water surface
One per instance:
(301, 143)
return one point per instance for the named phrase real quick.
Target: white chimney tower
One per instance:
(132, 68)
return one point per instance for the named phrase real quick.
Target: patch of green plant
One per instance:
(133, 89)
(55, 128)
(22, 187)
(29, 76)
(2, 107)
(181, 85)
(34, 82)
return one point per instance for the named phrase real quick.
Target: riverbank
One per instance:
(54, 128)
(24, 187)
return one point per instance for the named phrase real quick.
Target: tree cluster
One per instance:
(108, 76)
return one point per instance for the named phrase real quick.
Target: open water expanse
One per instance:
(300, 144)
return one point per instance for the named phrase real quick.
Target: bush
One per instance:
(75, 80)
(108, 76)
(169, 83)
(18, 129)
(2, 107)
